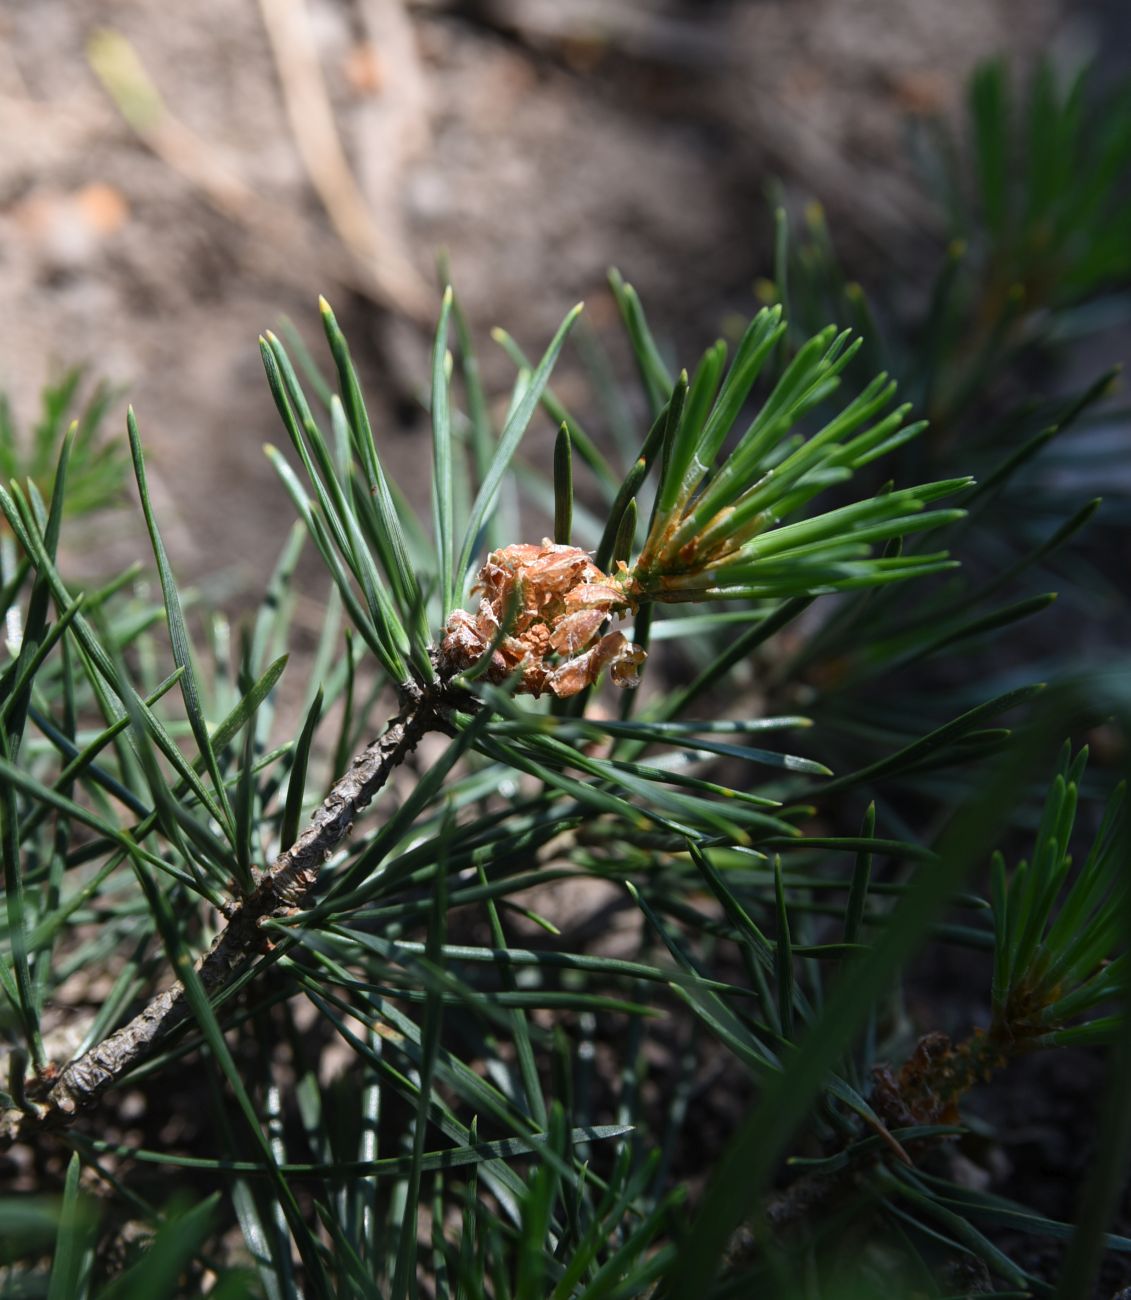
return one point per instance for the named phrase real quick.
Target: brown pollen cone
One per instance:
(553, 600)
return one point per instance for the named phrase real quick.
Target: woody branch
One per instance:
(286, 884)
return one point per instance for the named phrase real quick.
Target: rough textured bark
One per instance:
(284, 885)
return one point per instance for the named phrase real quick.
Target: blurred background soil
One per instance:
(261, 152)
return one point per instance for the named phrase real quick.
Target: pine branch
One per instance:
(285, 885)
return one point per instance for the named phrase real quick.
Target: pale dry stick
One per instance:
(390, 125)
(641, 31)
(286, 884)
(315, 133)
(291, 246)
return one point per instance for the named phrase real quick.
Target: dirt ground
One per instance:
(539, 143)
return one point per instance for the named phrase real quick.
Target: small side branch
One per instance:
(284, 885)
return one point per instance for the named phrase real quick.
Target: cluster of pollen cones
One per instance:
(542, 608)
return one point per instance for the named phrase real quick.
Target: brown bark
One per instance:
(284, 885)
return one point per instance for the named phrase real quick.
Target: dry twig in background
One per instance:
(293, 248)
